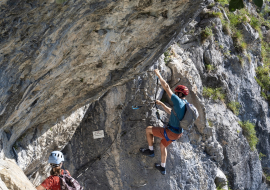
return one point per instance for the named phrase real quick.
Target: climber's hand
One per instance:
(157, 72)
(158, 102)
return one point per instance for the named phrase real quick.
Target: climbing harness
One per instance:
(166, 136)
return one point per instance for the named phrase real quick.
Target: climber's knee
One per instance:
(148, 130)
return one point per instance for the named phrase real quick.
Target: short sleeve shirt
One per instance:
(179, 106)
(53, 182)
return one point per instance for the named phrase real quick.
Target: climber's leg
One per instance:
(163, 151)
(150, 140)
(149, 135)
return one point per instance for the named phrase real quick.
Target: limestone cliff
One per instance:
(89, 62)
(57, 58)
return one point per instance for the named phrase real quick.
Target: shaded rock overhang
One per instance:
(56, 58)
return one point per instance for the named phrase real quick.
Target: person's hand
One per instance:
(157, 72)
(158, 102)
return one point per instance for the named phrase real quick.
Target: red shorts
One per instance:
(159, 132)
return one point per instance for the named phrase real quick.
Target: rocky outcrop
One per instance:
(89, 88)
(57, 58)
(12, 177)
(213, 153)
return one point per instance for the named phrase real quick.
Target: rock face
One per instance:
(215, 152)
(12, 177)
(55, 59)
(115, 160)
(78, 81)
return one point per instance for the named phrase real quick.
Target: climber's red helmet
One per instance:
(182, 88)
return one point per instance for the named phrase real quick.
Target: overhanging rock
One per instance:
(55, 59)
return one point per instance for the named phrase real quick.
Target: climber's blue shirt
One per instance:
(179, 106)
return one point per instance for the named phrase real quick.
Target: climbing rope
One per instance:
(157, 110)
(138, 87)
(89, 164)
(135, 107)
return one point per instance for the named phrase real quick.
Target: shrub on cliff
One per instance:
(234, 106)
(250, 133)
(214, 93)
(263, 79)
(206, 33)
(256, 21)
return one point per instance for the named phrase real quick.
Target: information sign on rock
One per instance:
(98, 134)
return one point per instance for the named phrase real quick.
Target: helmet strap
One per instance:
(182, 95)
(55, 165)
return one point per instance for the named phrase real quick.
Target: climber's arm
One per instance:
(166, 108)
(164, 84)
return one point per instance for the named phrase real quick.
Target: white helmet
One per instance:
(56, 157)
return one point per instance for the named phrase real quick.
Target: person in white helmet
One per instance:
(53, 181)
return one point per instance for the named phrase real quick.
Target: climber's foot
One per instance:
(147, 152)
(160, 168)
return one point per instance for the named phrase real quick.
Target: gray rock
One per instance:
(56, 59)
(250, 34)
(89, 72)
(212, 57)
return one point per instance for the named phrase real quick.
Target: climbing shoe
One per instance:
(147, 152)
(160, 168)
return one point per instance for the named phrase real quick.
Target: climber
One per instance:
(54, 181)
(172, 131)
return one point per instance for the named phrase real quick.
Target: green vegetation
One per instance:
(210, 67)
(167, 56)
(210, 123)
(261, 155)
(237, 36)
(250, 133)
(221, 46)
(227, 53)
(233, 29)
(263, 79)
(222, 2)
(215, 94)
(241, 60)
(206, 33)
(256, 21)
(249, 58)
(226, 27)
(265, 173)
(211, 5)
(234, 106)
(15, 146)
(215, 14)
(238, 4)
(267, 177)
(219, 188)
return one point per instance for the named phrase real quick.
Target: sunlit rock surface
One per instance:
(55, 59)
(12, 177)
(81, 67)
